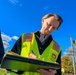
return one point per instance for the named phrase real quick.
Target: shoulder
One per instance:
(56, 42)
(26, 36)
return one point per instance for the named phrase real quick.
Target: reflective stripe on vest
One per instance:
(56, 46)
(26, 44)
(26, 37)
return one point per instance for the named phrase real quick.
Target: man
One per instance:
(40, 45)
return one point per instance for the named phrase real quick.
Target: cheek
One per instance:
(45, 27)
(48, 28)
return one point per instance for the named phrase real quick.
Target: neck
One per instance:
(42, 32)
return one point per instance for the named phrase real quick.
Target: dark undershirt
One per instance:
(42, 45)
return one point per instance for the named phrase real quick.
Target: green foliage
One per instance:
(66, 64)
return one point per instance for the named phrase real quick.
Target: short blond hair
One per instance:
(57, 17)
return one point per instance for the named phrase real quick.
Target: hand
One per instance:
(3, 71)
(32, 56)
(47, 72)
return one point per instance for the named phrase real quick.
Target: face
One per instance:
(49, 25)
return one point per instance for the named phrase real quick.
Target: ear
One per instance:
(42, 21)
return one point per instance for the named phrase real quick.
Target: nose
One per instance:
(50, 28)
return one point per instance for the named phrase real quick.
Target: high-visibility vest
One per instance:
(29, 45)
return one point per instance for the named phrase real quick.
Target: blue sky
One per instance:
(24, 16)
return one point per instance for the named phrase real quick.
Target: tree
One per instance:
(71, 51)
(66, 64)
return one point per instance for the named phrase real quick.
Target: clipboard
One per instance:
(14, 62)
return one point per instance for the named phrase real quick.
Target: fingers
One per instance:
(32, 56)
(53, 71)
(3, 71)
(42, 71)
(47, 72)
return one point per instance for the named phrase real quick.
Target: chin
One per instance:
(47, 33)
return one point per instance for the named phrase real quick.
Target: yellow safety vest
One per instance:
(29, 45)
